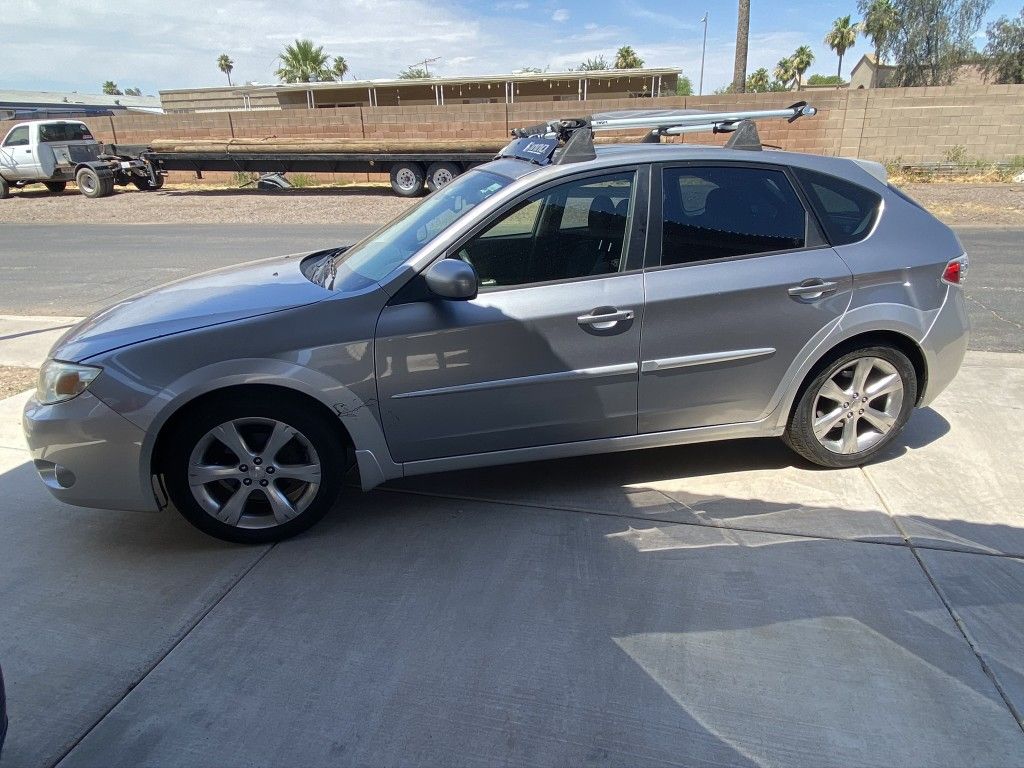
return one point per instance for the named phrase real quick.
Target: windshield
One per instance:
(372, 258)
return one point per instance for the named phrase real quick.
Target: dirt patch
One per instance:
(954, 203)
(15, 380)
(979, 204)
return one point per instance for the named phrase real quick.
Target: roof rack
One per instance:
(571, 140)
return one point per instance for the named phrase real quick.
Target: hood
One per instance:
(221, 296)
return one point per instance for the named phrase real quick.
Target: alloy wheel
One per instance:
(858, 405)
(254, 472)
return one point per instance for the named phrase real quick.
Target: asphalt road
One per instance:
(76, 270)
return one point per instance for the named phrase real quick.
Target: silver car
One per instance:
(642, 295)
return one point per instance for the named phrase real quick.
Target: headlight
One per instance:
(62, 381)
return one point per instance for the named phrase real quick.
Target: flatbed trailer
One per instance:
(410, 172)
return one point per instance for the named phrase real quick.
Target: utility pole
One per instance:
(425, 64)
(703, 48)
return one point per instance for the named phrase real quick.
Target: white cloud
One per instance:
(560, 15)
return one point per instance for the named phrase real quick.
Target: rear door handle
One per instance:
(814, 288)
(605, 320)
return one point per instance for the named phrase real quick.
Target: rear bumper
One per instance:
(88, 455)
(945, 344)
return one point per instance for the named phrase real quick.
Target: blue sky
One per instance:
(162, 45)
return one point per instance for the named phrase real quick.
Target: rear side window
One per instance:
(847, 211)
(64, 132)
(727, 211)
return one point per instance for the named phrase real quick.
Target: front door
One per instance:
(744, 281)
(547, 352)
(16, 157)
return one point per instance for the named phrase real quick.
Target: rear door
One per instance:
(739, 279)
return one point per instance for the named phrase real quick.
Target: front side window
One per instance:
(577, 229)
(728, 211)
(18, 137)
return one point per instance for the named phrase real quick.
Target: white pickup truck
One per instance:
(54, 152)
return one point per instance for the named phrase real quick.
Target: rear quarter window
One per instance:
(847, 211)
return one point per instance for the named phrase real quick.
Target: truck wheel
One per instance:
(91, 185)
(439, 174)
(5, 189)
(145, 185)
(55, 187)
(407, 179)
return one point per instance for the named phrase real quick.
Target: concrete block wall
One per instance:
(915, 125)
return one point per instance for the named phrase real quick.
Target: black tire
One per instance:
(188, 432)
(407, 179)
(5, 189)
(440, 174)
(55, 187)
(92, 185)
(145, 185)
(799, 433)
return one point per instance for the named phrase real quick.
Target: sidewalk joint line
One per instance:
(163, 656)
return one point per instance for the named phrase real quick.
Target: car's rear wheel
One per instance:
(91, 184)
(55, 187)
(856, 405)
(251, 470)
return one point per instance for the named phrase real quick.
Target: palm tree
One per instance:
(626, 58)
(803, 57)
(225, 65)
(110, 88)
(593, 65)
(759, 81)
(739, 71)
(785, 73)
(340, 67)
(303, 62)
(841, 38)
(880, 23)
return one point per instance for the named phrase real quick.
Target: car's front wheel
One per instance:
(854, 407)
(251, 470)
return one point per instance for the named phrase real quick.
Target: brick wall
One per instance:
(915, 125)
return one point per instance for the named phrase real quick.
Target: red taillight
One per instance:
(955, 271)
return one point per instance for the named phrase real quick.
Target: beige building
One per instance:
(869, 73)
(488, 89)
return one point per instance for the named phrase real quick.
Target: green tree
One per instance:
(413, 73)
(880, 24)
(592, 65)
(225, 65)
(110, 88)
(758, 81)
(627, 58)
(833, 80)
(842, 38)
(339, 68)
(1004, 53)
(304, 62)
(785, 72)
(803, 57)
(132, 91)
(739, 70)
(933, 38)
(684, 86)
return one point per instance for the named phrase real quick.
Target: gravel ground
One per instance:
(954, 203)
(15, 380)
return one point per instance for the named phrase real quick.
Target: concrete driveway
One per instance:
(699, 606)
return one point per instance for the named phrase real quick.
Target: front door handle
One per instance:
(602, 321)
(813, 288)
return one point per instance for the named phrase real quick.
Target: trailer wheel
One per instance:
(92, 185)
(439, 174)
(145, 185)
(5, 189)
(407, 179)
(55, 187)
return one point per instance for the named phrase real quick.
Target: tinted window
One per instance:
(723, 212)
(576, 229)
(18, 137)
(64, 132)
(847, 211)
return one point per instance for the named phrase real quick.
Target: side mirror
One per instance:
(452, 279)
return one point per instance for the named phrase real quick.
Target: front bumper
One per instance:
(88, 455)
